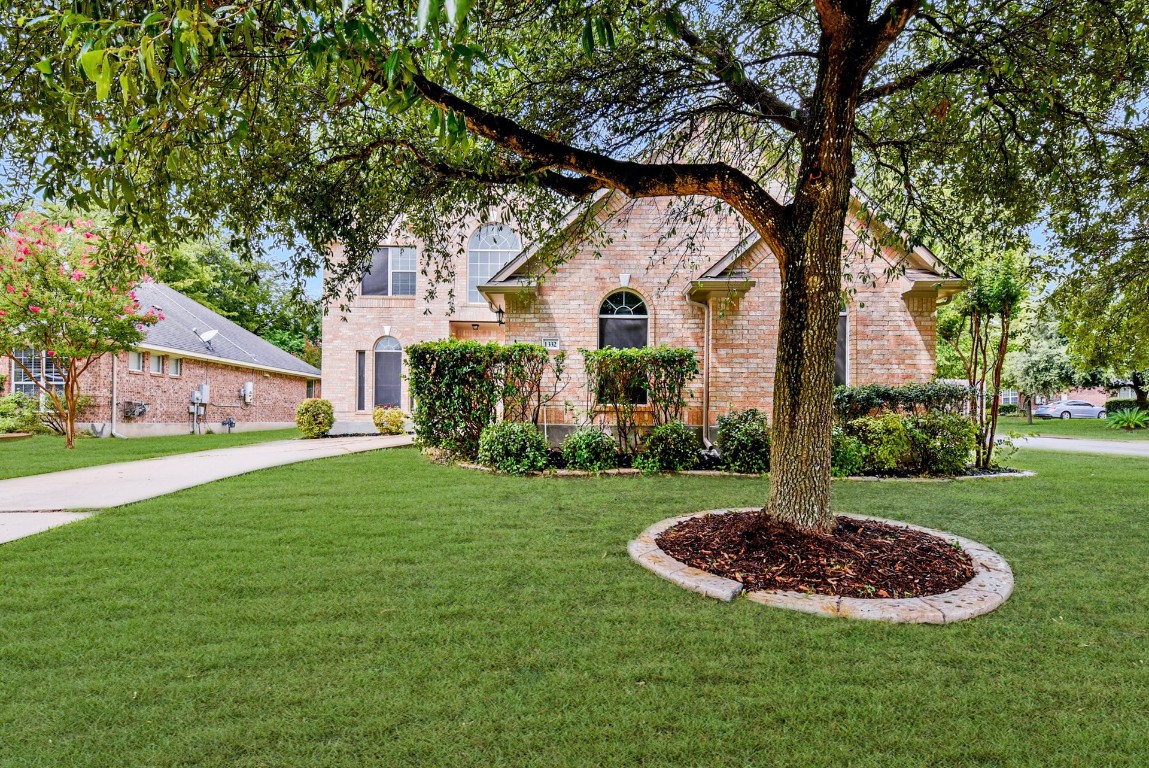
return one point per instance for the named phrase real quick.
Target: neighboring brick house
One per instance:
(192, 354)
(637, 283)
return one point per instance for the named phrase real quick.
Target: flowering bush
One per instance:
(315, 417)
(66, 290)
(389, 421)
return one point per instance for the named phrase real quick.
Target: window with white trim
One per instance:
(491, 247)
(135, 361)
(392, 273)
(1009, 397)
(32, 370)
(624, 323)
(176, 366)
(156, 363)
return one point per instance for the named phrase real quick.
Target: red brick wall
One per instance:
(168, 396)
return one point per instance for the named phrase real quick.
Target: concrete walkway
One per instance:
(110, 485)
(1079, 445)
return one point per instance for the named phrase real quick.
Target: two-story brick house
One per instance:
(633, 283)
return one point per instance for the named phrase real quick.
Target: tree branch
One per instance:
(955, 65)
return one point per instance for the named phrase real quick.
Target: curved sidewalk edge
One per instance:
(111, 485)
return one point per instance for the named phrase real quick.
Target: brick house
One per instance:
(193, 354)
(635, 283)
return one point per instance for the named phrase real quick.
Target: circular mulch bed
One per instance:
(867, 556)
(859, 558)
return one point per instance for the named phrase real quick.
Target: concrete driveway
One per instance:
(36, 503)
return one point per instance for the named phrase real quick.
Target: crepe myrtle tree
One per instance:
(66, 292)
(319, 122)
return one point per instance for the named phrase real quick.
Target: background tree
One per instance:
(336, 121)
(67, 294)
(1040, 365)
(978, 326)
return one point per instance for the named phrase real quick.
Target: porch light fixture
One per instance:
(474, 326)
(501, 313)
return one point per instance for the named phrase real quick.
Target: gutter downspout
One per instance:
(706, 333)
(115, 378)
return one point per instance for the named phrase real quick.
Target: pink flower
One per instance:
(33, 309)
(19, 259)
(10, 289)
(77, 275)
(50, 353)
(3, 313)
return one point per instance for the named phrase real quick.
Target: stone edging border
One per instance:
(720, 473)
(991, 585)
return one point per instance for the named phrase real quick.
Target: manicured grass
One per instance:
(46, 453)
(378, 610)
(1092, 429)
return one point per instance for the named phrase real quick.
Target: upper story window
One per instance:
(492, 246)
(135, 361)
(623, 321)
(176, 366)
(392, 272)
(156, 363)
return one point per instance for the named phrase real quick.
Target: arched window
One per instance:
(388, 372)
(623, 321)
(492, 246)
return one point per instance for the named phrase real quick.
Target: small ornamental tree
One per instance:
(67, 291)
(1042, 365)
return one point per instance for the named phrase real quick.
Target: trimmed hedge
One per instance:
(1114, 404)
(670, 447)
(927, 444)
(855, 402)
(590, 450)
(743, 442)
(513, 447)
(315, 417)
(886, 439)
(847, 454)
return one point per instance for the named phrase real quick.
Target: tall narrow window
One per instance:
(842, 351)
(156, 363)
(360, 381)
(623, 321)
(388, 372)
(492, 246)
(135, 361)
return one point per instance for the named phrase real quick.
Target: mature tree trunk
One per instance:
(811, 271)
(1140, 389)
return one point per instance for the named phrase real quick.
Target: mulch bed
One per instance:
(859, 558)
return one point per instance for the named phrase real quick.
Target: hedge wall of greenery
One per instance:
(865, 400)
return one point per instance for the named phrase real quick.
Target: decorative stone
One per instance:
(991, 585)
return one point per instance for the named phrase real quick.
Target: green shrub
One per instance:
(855, 402)
(1129, 419)
(669, 447)
(940, 443)
(886, 439)
(389, 421)
(847, 454)
(1009, 409)
(513, 447)
(1115, 404)
(744, 442)
(589, 449)
(456, 390)
(314, 417)
(20, 413)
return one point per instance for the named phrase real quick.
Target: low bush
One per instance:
(744, 442)
(855, 402)
(389, 421)
(940, 443)
(669, 447)
(314, 417)
(513, 447)
(589, 449)
(19, 413)
(847, 454)
(1009, 409)
(1115, 404)
(886, 439)
(1129, 419)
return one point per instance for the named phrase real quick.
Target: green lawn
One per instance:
(1093, 429)
(376, 610)
(46, 453)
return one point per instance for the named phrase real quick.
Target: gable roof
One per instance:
(184, 319)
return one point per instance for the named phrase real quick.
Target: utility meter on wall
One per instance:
(247, 392)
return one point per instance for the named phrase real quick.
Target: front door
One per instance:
(388, 372)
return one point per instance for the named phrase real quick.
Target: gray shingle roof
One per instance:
(232, 344)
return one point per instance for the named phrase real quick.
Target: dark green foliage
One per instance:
(940, 443)
(620, 379)
(455, 389)
(855, 402)
(1009, 409)
(1114, 404)
(19, 413)
(847, 454)
(886, 439)
(669, 447)
(457, 386)
(314, 417)
(744, 441)
(1129, 419)
(513, 448)
(590, 449)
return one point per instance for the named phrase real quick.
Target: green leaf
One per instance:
(426, 11)
(587, 39)
(90, 63)
(457, 10)
(45, 66)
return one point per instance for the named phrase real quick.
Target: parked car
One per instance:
(1070, 409)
